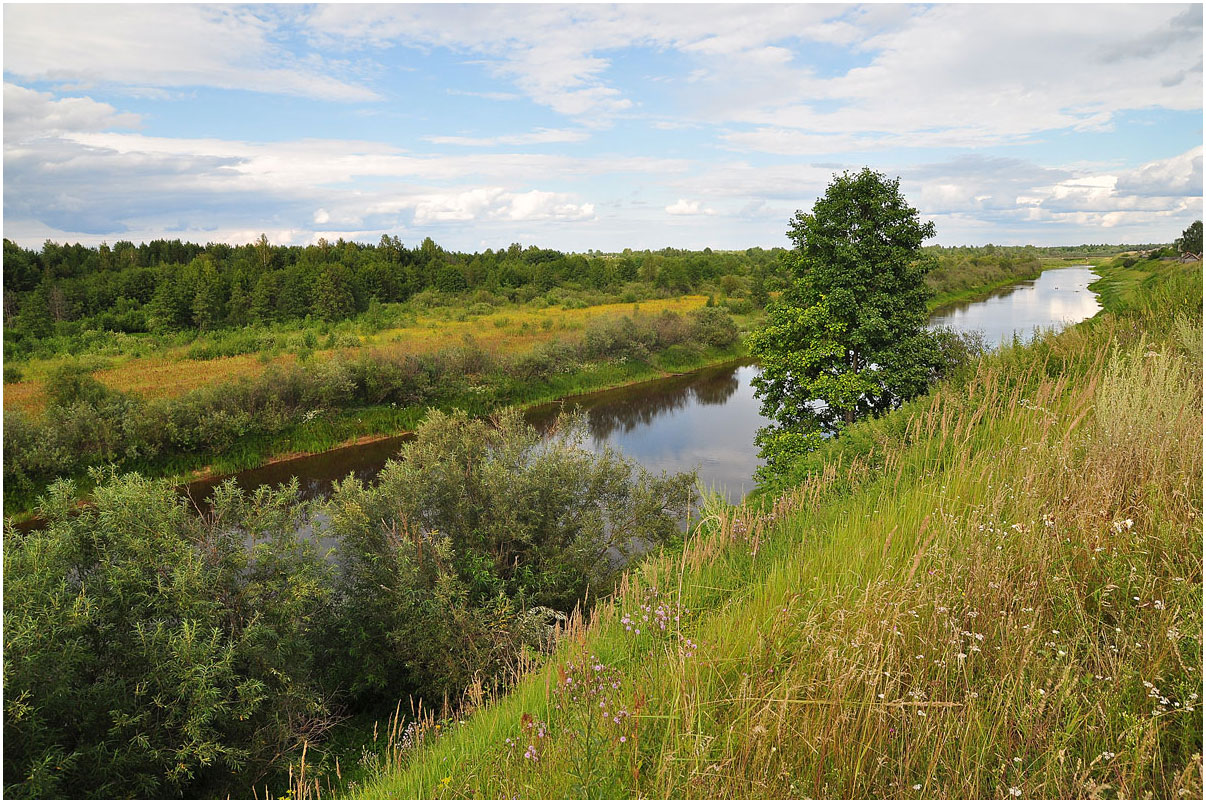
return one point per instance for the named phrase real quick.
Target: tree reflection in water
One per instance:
(625, 409)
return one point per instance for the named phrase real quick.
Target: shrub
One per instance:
(72, 381)
(149, 652)
(739, 306)
(475, 522)
(713, 326)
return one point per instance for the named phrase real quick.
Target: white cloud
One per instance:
(158, 46)
(485, 95)
(684, 207)
(30, 113)
(539, 205)
(1179, 175)
(113, 183)
(951, 75)
(492, 203)
(559, 56)
(969, 75)
(541, 136)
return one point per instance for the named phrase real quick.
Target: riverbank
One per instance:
(993, 592)
(349, 422)
(369, 424)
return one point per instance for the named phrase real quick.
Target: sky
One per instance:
(602, 127)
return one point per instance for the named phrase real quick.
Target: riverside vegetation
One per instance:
(208, 389)
(994, 591)
(150, 651)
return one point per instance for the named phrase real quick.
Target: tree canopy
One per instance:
(847, 338)
(1190, 241)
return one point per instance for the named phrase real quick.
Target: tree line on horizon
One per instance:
(171, 286)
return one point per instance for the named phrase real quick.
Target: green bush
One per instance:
(70, 382)
(713, 326)
(149, 652)
(152, 652)
(473, 524)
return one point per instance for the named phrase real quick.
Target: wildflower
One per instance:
(623, 739)
(916, 786)
(1013, 790)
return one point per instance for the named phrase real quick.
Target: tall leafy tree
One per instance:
(333, 295)
(847, 337)
(1190, 241)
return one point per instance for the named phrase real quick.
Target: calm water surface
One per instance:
(1058, 297)
(706, 420)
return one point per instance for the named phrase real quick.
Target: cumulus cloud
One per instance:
(159, 46)
(1179, 175)
(495, 203)
(1009, 192)
(684, 207)
(112, 183)
(31, 113)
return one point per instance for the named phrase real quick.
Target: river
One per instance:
(706, 420)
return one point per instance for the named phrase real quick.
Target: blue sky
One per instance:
(595, 126)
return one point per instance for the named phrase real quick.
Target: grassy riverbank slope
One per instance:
(994, 592)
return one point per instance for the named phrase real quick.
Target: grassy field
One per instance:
(992, 593)
(172, 372)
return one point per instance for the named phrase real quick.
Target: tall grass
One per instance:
(997, 593)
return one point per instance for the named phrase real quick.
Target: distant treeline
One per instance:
(170, 286)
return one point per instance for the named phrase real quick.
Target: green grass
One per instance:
(994, 592)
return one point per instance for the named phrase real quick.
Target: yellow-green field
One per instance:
(507, 331)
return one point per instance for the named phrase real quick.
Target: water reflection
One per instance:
(702, 421)
(315, 473)
(625, 410)
(1058, 297)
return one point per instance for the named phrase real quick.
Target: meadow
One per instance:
(173, 370)
(993, 592)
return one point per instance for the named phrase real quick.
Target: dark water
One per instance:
(705, 420)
